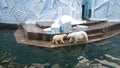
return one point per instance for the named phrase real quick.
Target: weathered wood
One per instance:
(37, 37)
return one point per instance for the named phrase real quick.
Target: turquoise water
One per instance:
(103, 54)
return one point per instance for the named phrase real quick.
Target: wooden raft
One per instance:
(35, 36)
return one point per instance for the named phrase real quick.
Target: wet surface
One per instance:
(103, 54)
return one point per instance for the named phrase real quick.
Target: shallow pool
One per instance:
(103, 54)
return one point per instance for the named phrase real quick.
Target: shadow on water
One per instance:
(104, 54)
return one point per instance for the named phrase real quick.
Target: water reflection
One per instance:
(96, 57)
(103, 54)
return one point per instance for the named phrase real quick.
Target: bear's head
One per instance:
(64, 35)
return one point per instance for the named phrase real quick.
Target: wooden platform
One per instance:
(35, 36)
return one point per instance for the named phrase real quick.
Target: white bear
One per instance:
(80, 36)
(59, 38)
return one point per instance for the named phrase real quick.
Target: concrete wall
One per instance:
(105, 10)
(21, 11)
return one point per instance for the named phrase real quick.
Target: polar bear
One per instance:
(80, 36)
(58, 38)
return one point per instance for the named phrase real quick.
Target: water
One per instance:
(103, 54)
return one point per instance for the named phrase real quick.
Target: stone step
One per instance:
(111, 26)
(44, 24)
(34, 32)
(94, 31)
(89, 23)
(95, 35)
